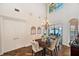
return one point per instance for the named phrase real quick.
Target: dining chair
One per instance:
(52, 47)
(36, 49)
(58, 46)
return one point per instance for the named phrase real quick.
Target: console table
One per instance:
(74, 50)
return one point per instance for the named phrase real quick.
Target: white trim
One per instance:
(66, 44)
(2, 30)
(0, 36)
(27, 45)
(13, 18)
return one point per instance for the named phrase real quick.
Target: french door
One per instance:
(14, 34)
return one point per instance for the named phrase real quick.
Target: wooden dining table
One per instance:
(43, 44)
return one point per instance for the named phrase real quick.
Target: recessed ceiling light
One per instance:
(17, 10)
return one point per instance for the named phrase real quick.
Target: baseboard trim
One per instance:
(66, 45)
(29, 45)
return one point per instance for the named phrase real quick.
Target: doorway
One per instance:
(14, 34)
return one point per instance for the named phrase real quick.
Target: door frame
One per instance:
(2, 29)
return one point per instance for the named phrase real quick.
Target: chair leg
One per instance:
(51, 53)
(32, 52)
(55, 53)
(42, 52)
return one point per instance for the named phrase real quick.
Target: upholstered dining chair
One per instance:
(58, 46)
(36, 49)
(52, 47)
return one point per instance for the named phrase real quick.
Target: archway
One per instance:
(33, 30)
(73, 29)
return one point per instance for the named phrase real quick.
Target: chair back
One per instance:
(35, 46)
(58, 41)
(53, 43)
(58, 45)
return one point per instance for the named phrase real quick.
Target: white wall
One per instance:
(0, 35)
(62, 16)
(37, 9)
(33, 14)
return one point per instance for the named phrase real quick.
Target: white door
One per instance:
(14, 34)
(0, 37)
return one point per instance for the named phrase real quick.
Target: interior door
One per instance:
(0, 37)
(14, 34)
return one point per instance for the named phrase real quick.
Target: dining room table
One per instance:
(43, 44)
